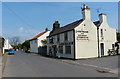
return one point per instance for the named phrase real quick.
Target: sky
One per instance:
(60, 0)
(0, 19)
(27, 19)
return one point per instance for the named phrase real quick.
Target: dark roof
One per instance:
(68, 27)
(102, 14)
(97, 23)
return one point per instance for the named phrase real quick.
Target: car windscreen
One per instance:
(10, 50)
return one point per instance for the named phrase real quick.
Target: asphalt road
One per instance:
(32, 65)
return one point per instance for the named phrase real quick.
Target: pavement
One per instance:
(105, 64)
(33, 65)
(0, 67)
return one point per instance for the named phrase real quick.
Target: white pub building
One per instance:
(82, 38)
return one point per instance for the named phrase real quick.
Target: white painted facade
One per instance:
(82, 40)
(86, 48)
(34, 46)
(61, 43)
(7, 45)
(107, 35)
(36, 42)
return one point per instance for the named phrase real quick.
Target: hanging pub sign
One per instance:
(82, 35)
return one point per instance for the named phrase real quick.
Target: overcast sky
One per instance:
(27, 19)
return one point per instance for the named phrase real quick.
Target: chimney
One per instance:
(102, 17)
(46, 29)
(85, 12)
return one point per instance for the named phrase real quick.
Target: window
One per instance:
(66, 36)
(61, 49)
(68, 49)
(58, 38)
(101, 32)
(51, 40)
(113, 46)
(35, 41)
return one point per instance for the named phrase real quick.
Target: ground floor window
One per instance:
(61, 49)
(50, 50)
(68, 49)
(113, 46)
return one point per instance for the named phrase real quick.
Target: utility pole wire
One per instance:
(22, 20)
(98, 10)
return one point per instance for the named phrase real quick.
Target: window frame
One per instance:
(60, 49)
(66, 36)
(68, 49)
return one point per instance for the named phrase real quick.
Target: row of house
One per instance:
(4, 45)
(80, 39)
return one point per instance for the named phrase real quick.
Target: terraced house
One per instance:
(80, 39)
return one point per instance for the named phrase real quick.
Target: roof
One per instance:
(96, 23)
(102, 14)
(68, 27)
(38, 35)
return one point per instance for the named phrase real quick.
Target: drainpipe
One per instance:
(98, 41)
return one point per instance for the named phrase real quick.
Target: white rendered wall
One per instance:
(86, 48)
(34, 46)
(109, 36)
(7, 45)
(43, 37)
(70, 39)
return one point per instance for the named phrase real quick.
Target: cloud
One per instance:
(22, 32)
(26, 34)
(21, 29)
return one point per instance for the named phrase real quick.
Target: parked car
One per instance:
(11, 52)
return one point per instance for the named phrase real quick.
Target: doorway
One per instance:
(102, 49)
(54, 50)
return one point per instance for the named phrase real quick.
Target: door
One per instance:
(102, 49)
(54, 50)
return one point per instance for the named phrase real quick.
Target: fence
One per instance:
(119, 48)
(42, 51)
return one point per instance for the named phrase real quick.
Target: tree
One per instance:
(14, 40)
(56, 25)
(1, 45)
(26, 45)
(44, 42)
(1, 42)
(118, 36)
(20, 46)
